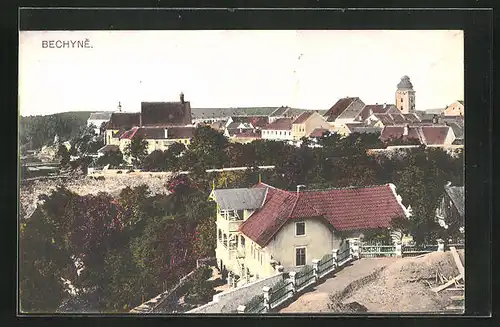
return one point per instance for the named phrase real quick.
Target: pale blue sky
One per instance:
(237, 68)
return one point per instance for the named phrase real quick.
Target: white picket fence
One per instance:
(275, 295)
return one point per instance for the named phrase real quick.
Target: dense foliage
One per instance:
(129, 247)
(201, 290)
(132, 245)
(37, 131)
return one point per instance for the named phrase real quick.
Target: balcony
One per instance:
(229, 225)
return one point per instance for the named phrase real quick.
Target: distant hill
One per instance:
(81, 115)
(37, 131)
(207, 113)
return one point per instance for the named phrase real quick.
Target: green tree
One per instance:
(206, 238)
(207, 149)
(155, 161)
(201, 290)
(63, 155)
(111, 158)
(137, 150)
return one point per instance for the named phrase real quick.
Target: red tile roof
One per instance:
(339, 108)
(256, 121)
(245, 133)
(303, 117)
(318, 132)
(434, 135)
(280, 124)
(344, 209)
(426, 134)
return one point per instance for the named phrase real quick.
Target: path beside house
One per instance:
(317, 299)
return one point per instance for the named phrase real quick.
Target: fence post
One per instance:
(315, 269)
(354, 245)
(266, 291)
(399, 249)
(334, 257)
(292, 279)
(440, 245)
(241, 309)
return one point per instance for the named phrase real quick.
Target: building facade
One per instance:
(261, 227)
(278, 130)
(455, 109)
(306, 123)
(405, 96)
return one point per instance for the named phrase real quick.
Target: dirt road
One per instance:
(318, 298)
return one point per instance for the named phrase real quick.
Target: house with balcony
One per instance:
(262, 227)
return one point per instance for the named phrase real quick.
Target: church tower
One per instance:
(405, 96)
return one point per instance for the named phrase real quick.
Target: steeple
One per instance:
(405, 96)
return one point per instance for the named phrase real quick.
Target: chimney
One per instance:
(166, 133)
(182, 97)
(140, 119)
(405, 130)
(370, 112)
(385, 105)
(119, 106)
(298, 188)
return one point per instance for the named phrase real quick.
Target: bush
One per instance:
(130, 171)
(201, 290)
(119, 172)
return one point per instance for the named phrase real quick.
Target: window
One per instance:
(300, 256)
(300, 228)
(401, 100)
(242, 240)
(240, 214)
(220, 234)
(401, 107)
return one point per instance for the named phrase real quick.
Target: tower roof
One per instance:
(405, 83)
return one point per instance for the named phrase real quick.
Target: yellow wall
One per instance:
(318, 241)
(454, 109)
(404, 99)
(306, 128)
(109, 137)
(298, 131)
(153, 145)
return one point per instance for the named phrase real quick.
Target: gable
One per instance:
(344, 209)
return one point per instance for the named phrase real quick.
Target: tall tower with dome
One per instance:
(405, 96)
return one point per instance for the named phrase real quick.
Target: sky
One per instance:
(301, 69)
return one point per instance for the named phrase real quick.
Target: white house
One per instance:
(279, 130)
(261, 227)
(97, 119)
